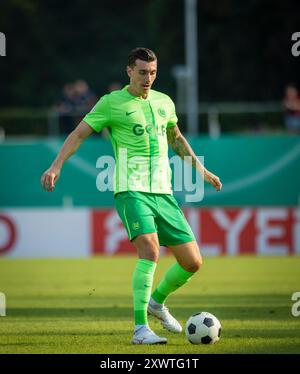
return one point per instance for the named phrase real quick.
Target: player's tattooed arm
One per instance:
(182, 148)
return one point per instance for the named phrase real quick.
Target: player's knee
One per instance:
(151, 255)
(194, 266)
(148, 249)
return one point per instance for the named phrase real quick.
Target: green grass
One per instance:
(84, 306)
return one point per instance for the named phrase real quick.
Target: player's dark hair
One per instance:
(140, 53)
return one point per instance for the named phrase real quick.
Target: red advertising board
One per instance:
(84, 232)
(228, 231)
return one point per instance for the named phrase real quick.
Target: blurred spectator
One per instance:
(291, 103)
(85, 99)
(65, 108)
(77, 99)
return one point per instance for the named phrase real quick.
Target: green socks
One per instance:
(174, 278)
(142, 280)
(142, 284)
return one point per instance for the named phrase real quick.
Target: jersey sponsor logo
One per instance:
(149, 129)
(138, 129)
(162, 112)
(128, 113)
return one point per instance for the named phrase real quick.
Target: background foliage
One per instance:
(244, 46)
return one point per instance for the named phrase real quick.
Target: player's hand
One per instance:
(49, 178)
(213, 180)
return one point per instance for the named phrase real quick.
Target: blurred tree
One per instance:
(244, 46)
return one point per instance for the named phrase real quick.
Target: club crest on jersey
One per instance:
(135, 225)
(162, 112)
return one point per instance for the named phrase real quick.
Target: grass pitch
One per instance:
(85, 305)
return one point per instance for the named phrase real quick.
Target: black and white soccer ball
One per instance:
(203, 328)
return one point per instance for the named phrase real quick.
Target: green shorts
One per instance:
(144, 213)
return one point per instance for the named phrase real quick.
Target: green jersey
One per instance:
(137, 129)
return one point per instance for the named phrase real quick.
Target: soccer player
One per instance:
(141, 123)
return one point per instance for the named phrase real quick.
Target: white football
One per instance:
(203, 328)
